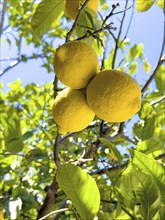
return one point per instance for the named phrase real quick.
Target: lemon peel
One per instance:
(71, 112)
(75, 63)
(114, 96)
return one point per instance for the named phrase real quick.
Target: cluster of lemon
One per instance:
(111, 95)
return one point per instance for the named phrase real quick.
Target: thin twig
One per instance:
(158, 101)
(18, 61)
(55, 83)
(118, 36)
(54, 212)
(56, 150)
(160, 62)
(94, 33)
(114, 6)
(128, 213)
(76, 20)
(63, 205)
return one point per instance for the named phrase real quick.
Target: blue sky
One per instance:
(146, 28)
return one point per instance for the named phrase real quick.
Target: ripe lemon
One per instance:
(1, 214)
(75, 63)
(71, 112)
(114, 96)
(72, 6)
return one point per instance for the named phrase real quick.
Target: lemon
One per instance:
(114, 96)
(72, 6)
(75, 63)
(70, 111)
(1, 214)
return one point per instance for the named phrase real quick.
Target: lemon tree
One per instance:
(87, 141)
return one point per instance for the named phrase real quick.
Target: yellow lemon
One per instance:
(75, 63)
(71, 112)
(1, 214)
(114, 96)
(72, 6)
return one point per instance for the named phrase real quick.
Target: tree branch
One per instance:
(20, 60)
(121, 166)
(161, 60)
(56, 150)
(49, 199)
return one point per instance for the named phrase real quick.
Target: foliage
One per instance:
(126, 168)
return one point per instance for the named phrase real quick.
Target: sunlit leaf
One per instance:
(151, 167)
(46, 15)
(149, 146)
(12, 131)
(147, 194)
(133, 67)
(144, 5)
(80, 188)
(161, 3)
(146, 66)
(133, 52)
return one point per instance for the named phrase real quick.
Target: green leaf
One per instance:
(25, 196)
(160, 78)
(146, 66)
(80, 188)
(46, 16)
(144, 5)
(147, 113)
(133, 52)
(151, 167)
(133, 67)
(153, 96)
(87, 21)
(149, 146)
(148, 128)
(147, 193)
(136, 186)
(12, 131)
